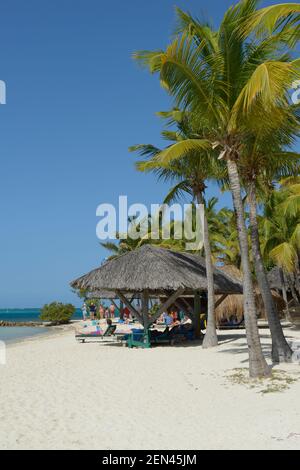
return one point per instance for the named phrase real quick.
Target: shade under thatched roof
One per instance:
(108, 295)
(158, 270)
(101, 294)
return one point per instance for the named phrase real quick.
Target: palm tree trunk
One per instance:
(258, 366)
(284, 293)
(290, 282)
(210, 339)
(281, 352)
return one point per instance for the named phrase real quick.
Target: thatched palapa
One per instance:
(157, 270)
(233, 305)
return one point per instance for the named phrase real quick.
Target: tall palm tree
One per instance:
(190, 174)
(262, 162)
(227, 81)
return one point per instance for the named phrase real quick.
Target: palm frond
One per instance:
(177, 192)
(181, 149)
(149, 59)
(285, 256)
(269, 19)
(269, 83)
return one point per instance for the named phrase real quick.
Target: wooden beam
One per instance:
(113, 302)
(128, 305)
(167, 304)
(145, 308)
(197, 312)
(220, 300)
(188, 305)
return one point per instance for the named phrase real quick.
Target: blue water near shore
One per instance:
(16, 333)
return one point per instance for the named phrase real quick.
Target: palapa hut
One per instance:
(155, 272)
(233, 305)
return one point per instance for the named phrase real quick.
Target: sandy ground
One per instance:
(57, 394)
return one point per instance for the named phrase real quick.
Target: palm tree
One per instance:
(266, 155)
(227, 82)
(224, 237)
(125, 244)
(190, 174)
(281, 226)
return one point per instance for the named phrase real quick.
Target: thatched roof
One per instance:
(158, 270)
(234, 304)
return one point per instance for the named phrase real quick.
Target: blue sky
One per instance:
(75, 102)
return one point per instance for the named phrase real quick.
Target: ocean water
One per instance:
(27, 314)
(15, 333)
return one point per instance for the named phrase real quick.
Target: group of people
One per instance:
(171, 317)
(93, 312)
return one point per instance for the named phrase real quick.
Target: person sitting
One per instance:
(126, 314)
(175, 316)
(168, 319)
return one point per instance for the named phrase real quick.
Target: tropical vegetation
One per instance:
(234, 122)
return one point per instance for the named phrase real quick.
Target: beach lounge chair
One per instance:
(108, 335)
(171, 336)
(138, 339)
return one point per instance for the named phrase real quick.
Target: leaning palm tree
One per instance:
(264, 160)
(190, 175)
(228, 81)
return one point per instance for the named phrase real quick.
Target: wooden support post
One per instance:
(220, 300)
(197, 310)
(171, 300)
(121, 309)
(128, 304)
(145, 308)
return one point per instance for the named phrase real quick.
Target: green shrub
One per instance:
(57, 313)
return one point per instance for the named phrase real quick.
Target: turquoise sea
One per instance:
(27, 314)
(10, 334)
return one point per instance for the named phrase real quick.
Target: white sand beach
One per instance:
(57, 394)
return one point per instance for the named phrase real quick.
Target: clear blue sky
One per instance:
(75, 102)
